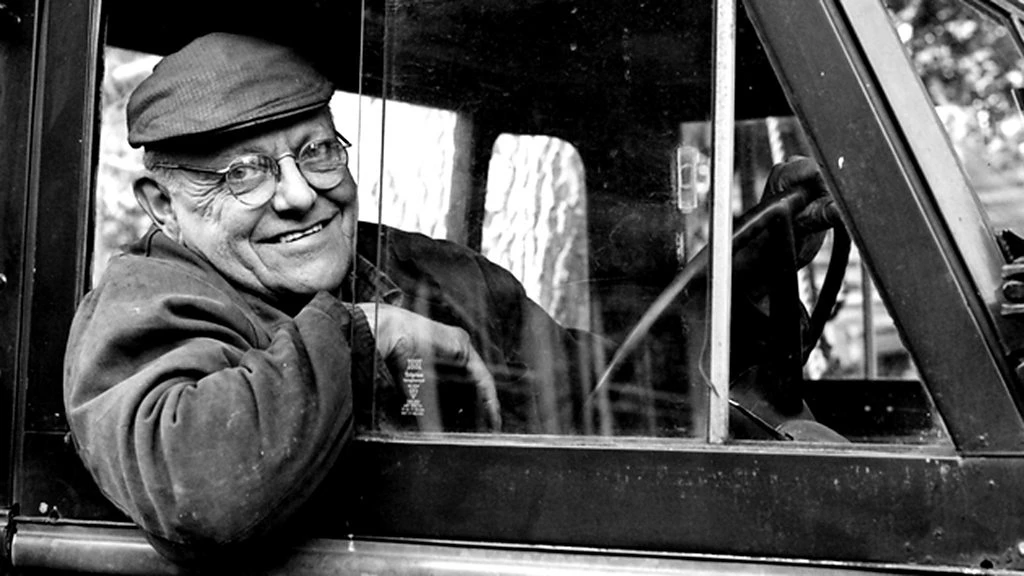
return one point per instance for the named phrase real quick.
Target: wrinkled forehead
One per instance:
(266, 138)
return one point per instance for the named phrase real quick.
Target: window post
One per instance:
(722, 138)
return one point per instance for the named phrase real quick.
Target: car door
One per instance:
(588, 150)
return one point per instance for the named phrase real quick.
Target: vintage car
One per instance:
(612, 156)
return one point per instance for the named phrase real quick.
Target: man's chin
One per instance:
(309, 283)
(323, 270)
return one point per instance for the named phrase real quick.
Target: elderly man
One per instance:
(213, 375)
(216, 372)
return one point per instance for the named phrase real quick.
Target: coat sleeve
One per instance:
(202, 430)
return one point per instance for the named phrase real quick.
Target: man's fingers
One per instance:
(453, 347)
(486, 391)
(797, 171)
(451, 344)
(410, 334)
(818, 216)
(793, 171)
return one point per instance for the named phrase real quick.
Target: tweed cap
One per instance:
(222, 82)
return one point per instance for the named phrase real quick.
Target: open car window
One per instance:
(593, 217)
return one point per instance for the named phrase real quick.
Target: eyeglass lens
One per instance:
(322, 163)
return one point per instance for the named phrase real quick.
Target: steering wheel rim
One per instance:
(780, 211)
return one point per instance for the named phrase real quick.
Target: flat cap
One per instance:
(222, 82)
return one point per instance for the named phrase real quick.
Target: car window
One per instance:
(424, 175)
(596, 213)
(970, 65)
(594, 220)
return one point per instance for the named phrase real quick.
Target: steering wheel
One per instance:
(791, 345)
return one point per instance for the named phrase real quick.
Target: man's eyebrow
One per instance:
(251, 148)
(241, 150)
(220, 160)
(324, 134)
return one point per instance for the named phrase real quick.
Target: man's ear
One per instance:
(156, 201)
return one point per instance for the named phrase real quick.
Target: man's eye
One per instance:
(244, 173)
(316, 149)
(324, 155)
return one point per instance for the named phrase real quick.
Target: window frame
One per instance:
(918, 224)
(17, 57)
(61, 144)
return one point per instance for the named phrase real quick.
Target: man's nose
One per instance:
(293, 192)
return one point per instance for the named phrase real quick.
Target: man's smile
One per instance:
(295, 235)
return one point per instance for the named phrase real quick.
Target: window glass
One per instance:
(562, 216)
(535, 223)
(578, 191)
(859, 378)
(426, 148)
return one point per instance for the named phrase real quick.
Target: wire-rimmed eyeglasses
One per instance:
(321, 162)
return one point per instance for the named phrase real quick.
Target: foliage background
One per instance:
(969, 64)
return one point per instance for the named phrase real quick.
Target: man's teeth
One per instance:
(300, 234)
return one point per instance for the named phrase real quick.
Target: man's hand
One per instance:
(810, 225)
(402, 335)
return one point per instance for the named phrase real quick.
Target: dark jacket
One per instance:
(210, 415)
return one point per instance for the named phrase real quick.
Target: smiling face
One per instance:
(299, 242)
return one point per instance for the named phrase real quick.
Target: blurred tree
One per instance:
(119, 219)
(969, 63)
